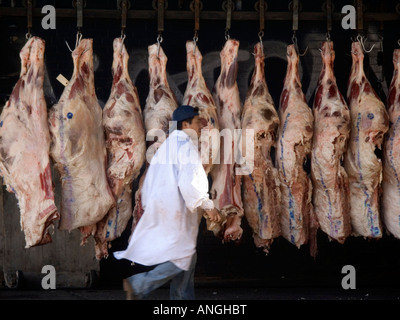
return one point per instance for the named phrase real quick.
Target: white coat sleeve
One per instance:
(193, 182)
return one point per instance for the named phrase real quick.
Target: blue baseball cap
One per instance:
(184, 112)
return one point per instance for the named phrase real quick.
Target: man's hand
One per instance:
(214, 215)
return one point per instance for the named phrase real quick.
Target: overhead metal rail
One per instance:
(198, 9)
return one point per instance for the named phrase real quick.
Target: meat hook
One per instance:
(260, 36)
(328, 36)
(77, 42)
(227, 35)
(123, 36)
(68, 46)
(28, 35)
(195, 39)
(381, 42)
(159, 41)
(78, 38)
(361, 39)
(294, 40)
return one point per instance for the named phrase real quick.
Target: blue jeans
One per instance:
(182, 282)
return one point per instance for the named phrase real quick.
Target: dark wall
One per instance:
(377, 262)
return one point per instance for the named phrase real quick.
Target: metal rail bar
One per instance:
(204, 15)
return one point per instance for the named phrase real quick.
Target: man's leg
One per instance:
(144, 283)
(182, 286)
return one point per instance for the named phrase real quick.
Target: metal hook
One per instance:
(195, 39)
(294, 40)
(77, 41)
(68, 46)
(227, 35)
(123, 36)
(159, 41)
(328, 36)
(381, 42)
(260, 36)
(361, 39)
(78, 38)
(304, 53)
(28, 35)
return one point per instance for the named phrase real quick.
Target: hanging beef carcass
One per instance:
(126, 148)
(198, 95)
(78, 148)
(226, 182)
(391, 164)
(298, 224)
(160, 104)
(24, 147)
(369, 123)
(331, 195)
(261, 193)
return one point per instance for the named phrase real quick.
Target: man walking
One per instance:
(165, 236)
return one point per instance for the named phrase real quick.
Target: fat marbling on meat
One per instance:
(226, 182)
(261, 187)
(331, 194)
(78, 148)
(391, 155)
(369, 123)
(126, 148)
(298, 224)
(24, 147)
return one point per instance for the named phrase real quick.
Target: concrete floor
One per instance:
(210, 292)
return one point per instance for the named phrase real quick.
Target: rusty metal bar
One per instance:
(124, 10)
(29, 11)
(329, 15)
(382, 9)
(360, 16)
(107, 14)
(261, 8)
(196, 15)
(79, 14)
(228, 15)
(295, 9)
(160, 15)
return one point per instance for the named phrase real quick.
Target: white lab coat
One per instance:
(175, 186)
